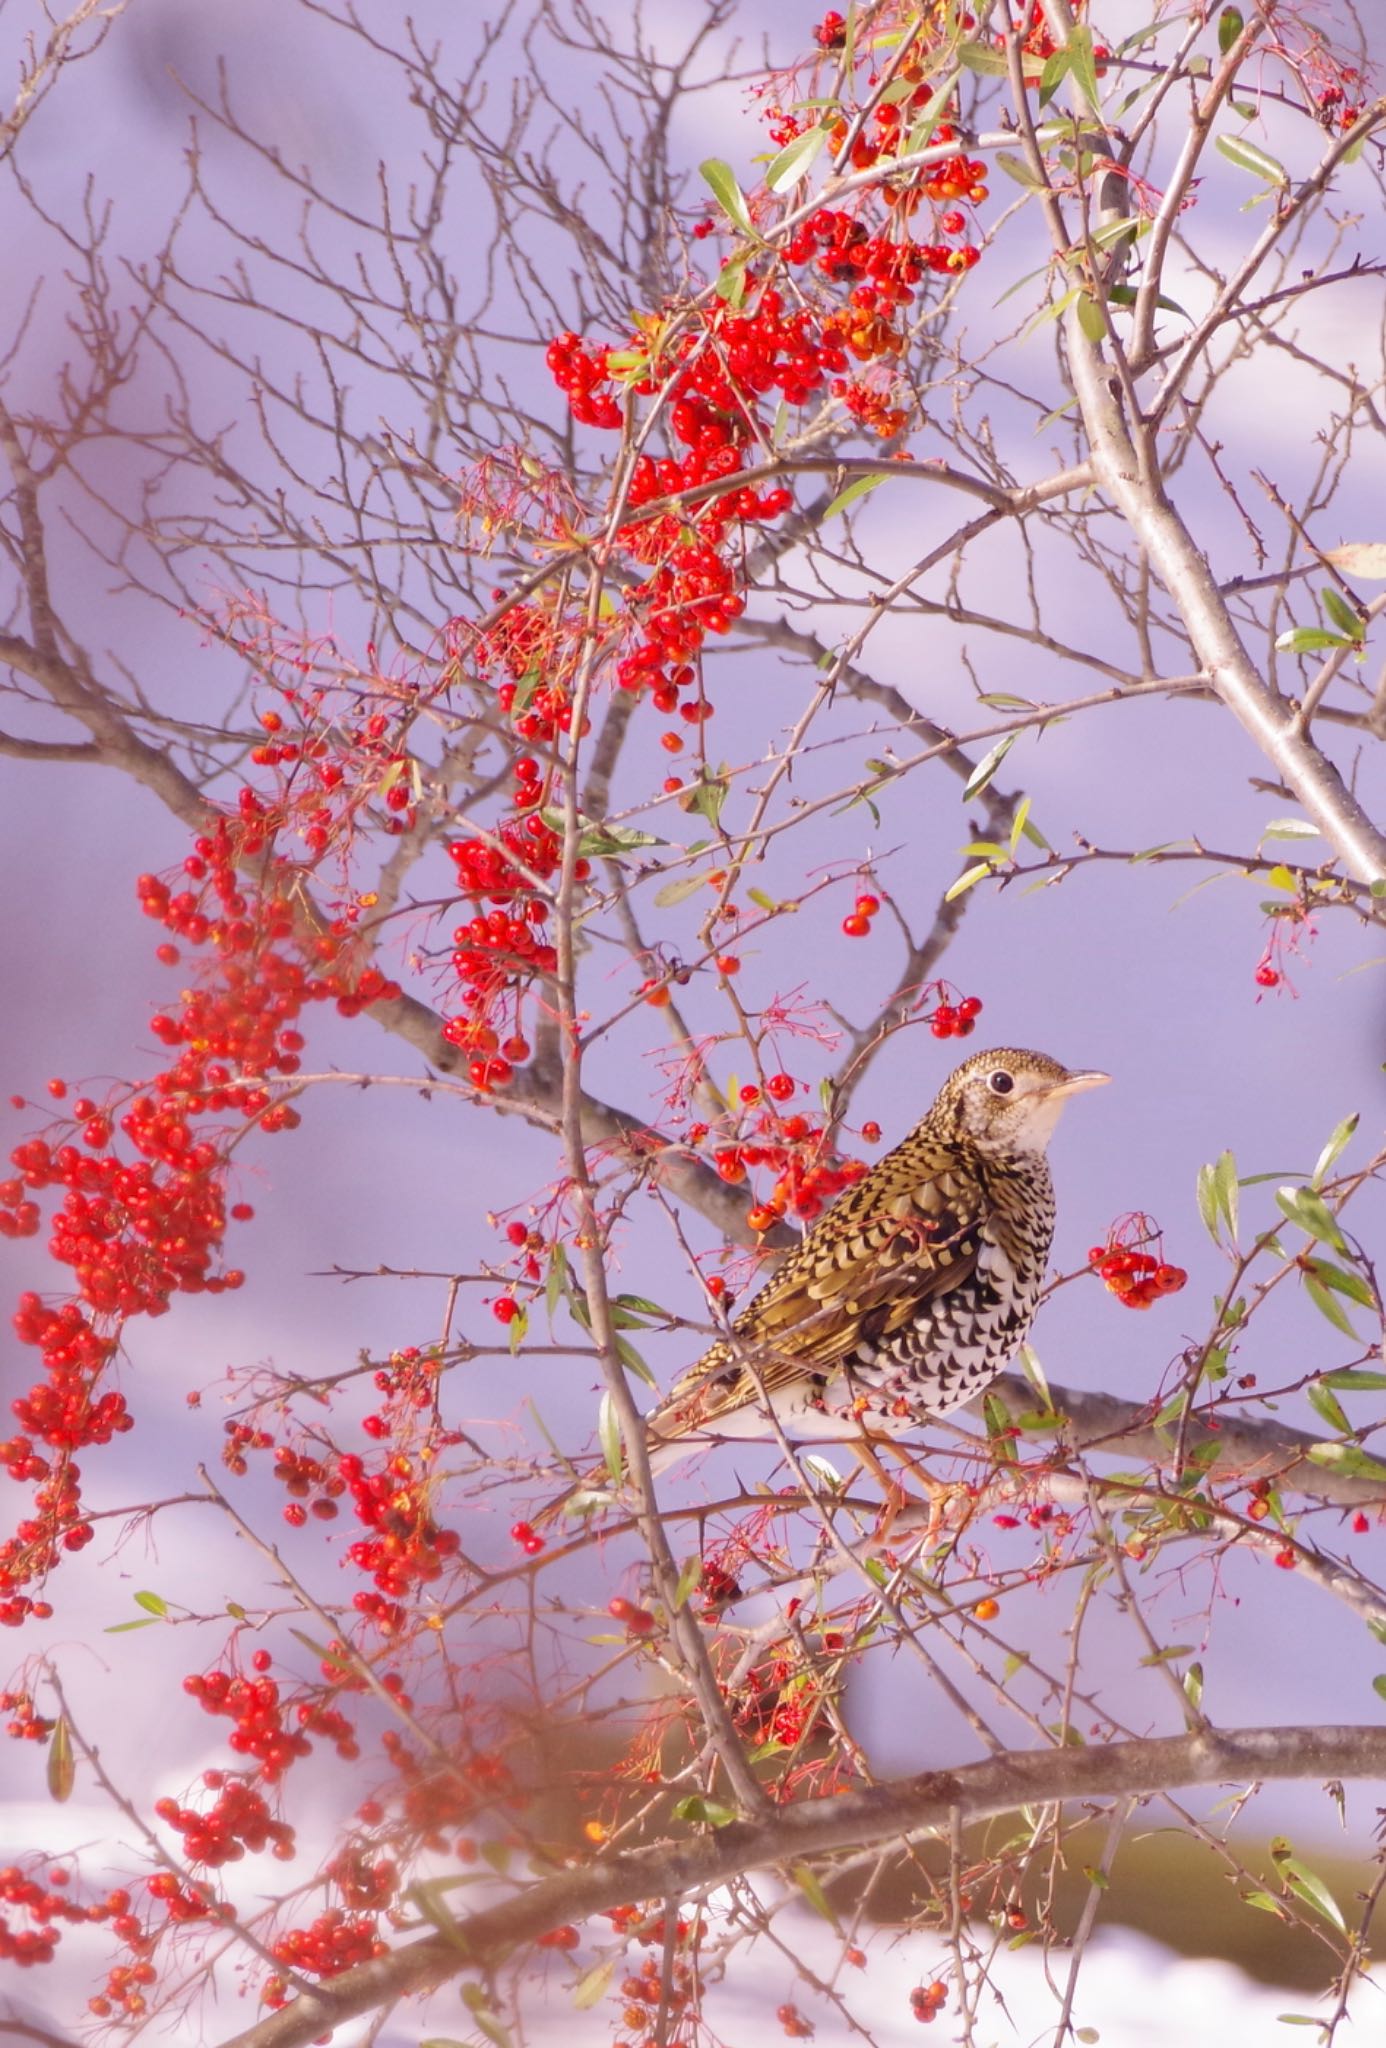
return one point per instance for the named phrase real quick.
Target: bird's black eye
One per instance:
(1000, 1083)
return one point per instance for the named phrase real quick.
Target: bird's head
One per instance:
(1009, 1101)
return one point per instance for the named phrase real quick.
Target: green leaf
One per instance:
(1311, 1889)
(1017, 168)
(592, 1984)
(1344, 617)
(922, 133)
(634, 1363)
(1308, 640)
(968, 880)
(1035, 1374)
(1225, 1183)
(1329, 1309)
(1091, 317)
(1379, 1684)
(997, 1417)
(123, 1628)
(727, 192)
(1230, 26)
(858, 488)
(515, 1331)
(1352, 1380)
(1247, 157)
(1264, 1903)
(1192, 1683)
(1311, 1213)
(1022, 813)
(1327, 1406)
(795, 160)
(605, 841)
(980, 57)
(1164, 1656)
(556, 1279)
(609, 1437)
(813, 1892)
(1349, 1461)
(1083, 65)
(688, 1580)
(640, 1305)
(1338, 1142)
(986, 768)
(1208, 1202)
(704, 1812)
(1052, 76)
(678, 891)
(731, 282)
(152, 1603)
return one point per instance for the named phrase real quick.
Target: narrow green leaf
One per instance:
(1327, 1406)
(1379, 1684)
(1035, 1374)
(516, 1331)
(730, 286)
(634, 1363)
(1022, 812)
(727, 192)
(858, 488)
(1353, 1380)
(795, 160)
(980, 57)
(1230, 26)
(592, 1984)
(1313, 1891)
(1264, 1903)
(1311, 1213)
(1225, 1182)
(1083, 65)
(986, 768)
(1341, 1138)
(1091, 317)
(1192, 1682)
(123, 1628)
(968, 880)
(1017, 168)
(1332, 1311)
(556, 1278)
(609, 1437)
(678, 891)
(813, 1892)
(1052, 76)
(1247, 157)
(1208, 1201)
(1348, 1460)
(1342, 614)
(152, 1603)
(688, 1580)
(922, 132)
(1309, 640)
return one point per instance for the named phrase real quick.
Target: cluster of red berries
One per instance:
(334, 1942)
(261, 1720)
(408, 1548)
(956, 1020)
(528, 1538)
(928, 2000)
(796, 1150)
(637, 1621)
(857, 923)
(502, 950)
(238, 1820)
(1137, 1278)
(793, 2023)
(646, 1989)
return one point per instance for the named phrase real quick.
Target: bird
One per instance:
(907, 1297)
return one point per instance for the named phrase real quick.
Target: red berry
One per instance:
(505, 1308)
(856, 926)
(867, 906)
(780, 1086)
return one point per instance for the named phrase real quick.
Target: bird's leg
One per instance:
(937, 1492)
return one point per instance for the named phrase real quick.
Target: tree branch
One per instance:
(855, 1820)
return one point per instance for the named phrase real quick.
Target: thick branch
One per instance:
(874, 1814)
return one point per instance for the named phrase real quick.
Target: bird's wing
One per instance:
(910, 1230)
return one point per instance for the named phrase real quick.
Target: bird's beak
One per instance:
(1075, 1083)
